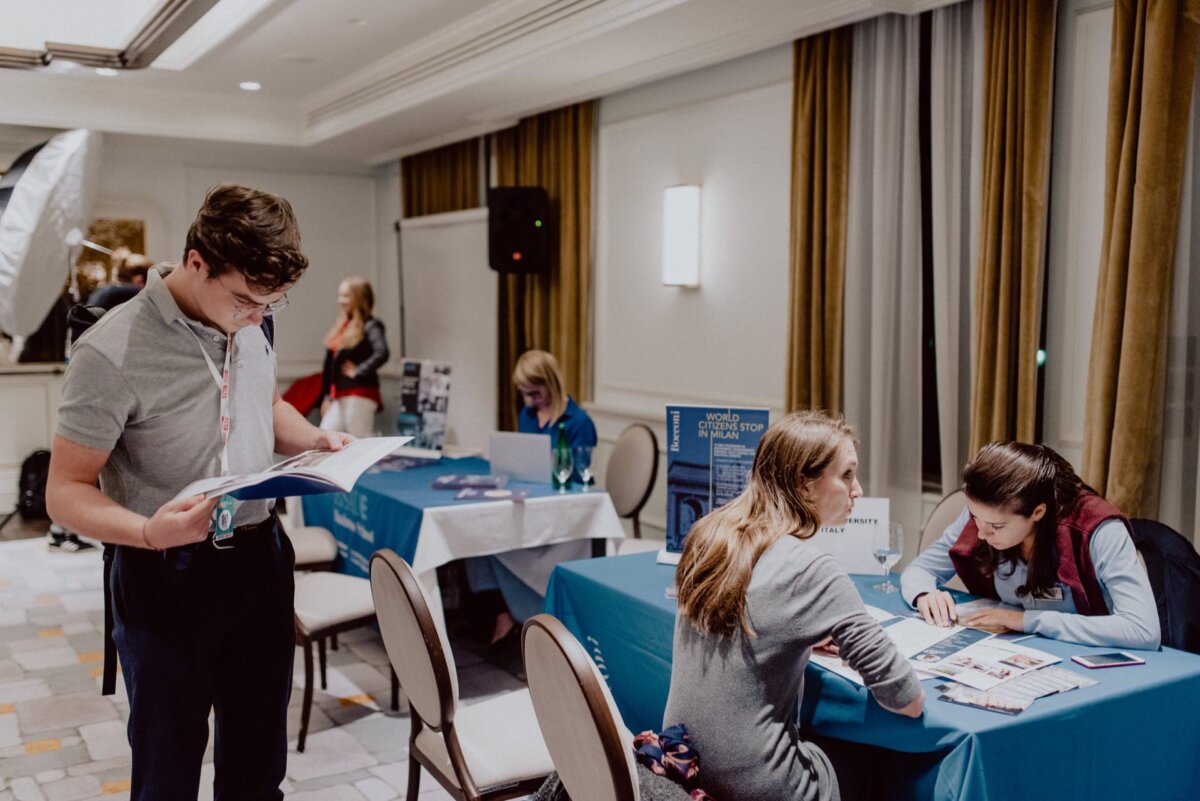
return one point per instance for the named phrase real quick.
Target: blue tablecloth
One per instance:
(1134, 735)
(385, 507)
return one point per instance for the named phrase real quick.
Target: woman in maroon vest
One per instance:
(1036, 537)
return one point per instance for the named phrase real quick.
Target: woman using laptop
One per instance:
(547, 404)
(1036, 537)
(539, 380)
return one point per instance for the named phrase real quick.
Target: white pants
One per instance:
(352, 414)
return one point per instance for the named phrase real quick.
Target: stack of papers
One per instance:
(990, 672)
(1015, 695)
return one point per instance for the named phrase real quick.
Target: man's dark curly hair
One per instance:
(254, 233)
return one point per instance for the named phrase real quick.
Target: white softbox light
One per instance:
(51, 196)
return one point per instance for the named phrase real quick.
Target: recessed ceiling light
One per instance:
(250, 86)
(107, 72)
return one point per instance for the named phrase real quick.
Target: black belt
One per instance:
(250, 534)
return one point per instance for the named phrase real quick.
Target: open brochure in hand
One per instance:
(308, 473)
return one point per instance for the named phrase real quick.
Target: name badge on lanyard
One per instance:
(223, 513)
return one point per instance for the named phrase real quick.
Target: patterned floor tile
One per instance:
(329, 753)
(55, 725)
(61, 711)
(76, 788)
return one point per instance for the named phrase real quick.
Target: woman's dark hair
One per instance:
(1016, 477)
(252, 232)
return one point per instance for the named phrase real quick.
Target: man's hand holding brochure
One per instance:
(307, 473)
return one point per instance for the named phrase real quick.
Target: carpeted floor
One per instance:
(60, 740)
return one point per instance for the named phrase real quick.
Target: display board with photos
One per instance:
(424, 400)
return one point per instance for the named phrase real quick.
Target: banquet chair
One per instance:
(328, 603)
(315, 546)
(488, 750)
(946, 512)
(1173, 567)
(632, 469)
(591, 748)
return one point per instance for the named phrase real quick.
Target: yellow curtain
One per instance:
(820, 160)
(441, 180)
(1018, 89)
(1154, 47)
(550, 311)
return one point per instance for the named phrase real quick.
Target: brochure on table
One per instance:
(308, 473)
(1015, 695)
(969, 656)
(424, 399)
(710, 450)
(854, 544)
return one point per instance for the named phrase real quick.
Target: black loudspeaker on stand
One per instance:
(519, 230)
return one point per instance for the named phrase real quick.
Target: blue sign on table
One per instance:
(710, 450)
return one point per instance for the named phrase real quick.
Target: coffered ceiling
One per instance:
(366, 81)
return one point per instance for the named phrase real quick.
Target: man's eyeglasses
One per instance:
(246, 306)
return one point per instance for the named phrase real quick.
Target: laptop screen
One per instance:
(521, 457)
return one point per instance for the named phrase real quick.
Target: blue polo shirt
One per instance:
(580, 428)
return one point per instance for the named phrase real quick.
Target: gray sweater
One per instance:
(738, 696)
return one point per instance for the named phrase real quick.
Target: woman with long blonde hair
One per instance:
(755, 598)
(355, 349)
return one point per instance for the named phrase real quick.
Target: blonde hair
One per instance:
(362, 304)
(724, 546)
(537, 368)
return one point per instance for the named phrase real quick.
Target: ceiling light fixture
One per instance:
(226, 18)
(107, 72)
(170, 22)
(250, 86)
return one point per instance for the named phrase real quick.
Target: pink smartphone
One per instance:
(1113, 659)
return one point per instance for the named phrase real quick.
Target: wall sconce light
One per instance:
(681, 236)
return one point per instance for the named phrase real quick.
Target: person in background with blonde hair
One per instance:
(1036, 537)
(355, 349)
(540, 382)
(754, 599)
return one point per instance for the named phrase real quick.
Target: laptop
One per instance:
(521, 457)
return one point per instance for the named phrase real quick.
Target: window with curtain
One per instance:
(441, 180)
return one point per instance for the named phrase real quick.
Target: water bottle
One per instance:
(562, 457)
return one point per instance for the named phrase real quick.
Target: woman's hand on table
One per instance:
(1011, 619)
(937, 607)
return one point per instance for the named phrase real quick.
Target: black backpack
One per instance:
(31, 497)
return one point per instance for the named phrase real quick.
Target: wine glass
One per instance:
(583, 464)
(562, 468)
(888, 554)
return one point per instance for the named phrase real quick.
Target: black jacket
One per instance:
(368, 355)
(1174, 569)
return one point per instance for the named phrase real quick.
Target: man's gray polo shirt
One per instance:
(138, 385)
